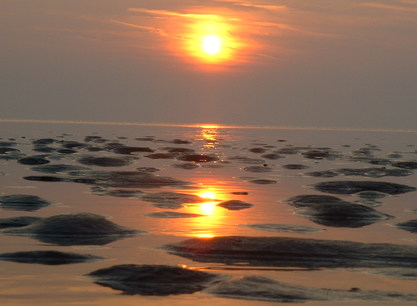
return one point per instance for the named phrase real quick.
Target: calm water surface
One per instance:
(241, 158)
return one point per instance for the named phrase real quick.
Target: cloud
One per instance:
(251, 5)
(150, 29)
(173, 13)
(392, 7)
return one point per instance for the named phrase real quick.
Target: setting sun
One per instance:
(212, 44)
(210, 41)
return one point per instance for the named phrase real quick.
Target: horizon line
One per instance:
(207, 125)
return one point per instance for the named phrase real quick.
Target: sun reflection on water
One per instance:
(213, 216)
(209, 133)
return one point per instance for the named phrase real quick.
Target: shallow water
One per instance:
(246, 165)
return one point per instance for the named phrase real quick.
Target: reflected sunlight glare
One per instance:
(209, 133)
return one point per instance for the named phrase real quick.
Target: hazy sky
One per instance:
(281, 63)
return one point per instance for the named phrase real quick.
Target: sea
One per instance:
(139, 214)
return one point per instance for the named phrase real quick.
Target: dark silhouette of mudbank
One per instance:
(152, 279)
(285, 228)
(410, 226)
(58, 168)
(48, 257)
(17, 221)
(116, 179)
(351, 187)
(172, 214)
(33, 160)
(234, 205)
(198, 158)
(332, 211)
(22, 202)
(365, 172)
(75, 229)
(158, 280)
(295, 252)
(104, 161)
(260, 288)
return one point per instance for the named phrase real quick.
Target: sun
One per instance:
(209, 41)
(211, 44)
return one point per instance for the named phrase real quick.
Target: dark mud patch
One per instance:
(260, 288)
(371, 195)
(125, 179)
(129, 150)
(5, 150)
(257, 150)
(213, 166)
(313, 199)
(171, 198)
(43, 141)
(235, 205)
(289, 150)
(332, 211)
(179, 150)
(263, 181)
(70, 144)
(342, 214)
(325, 153)
(148, 169)
(285, 228)
(59, 168)
(22, 202)
(17, 221)
(374, 172)
(295, 252)
(272, 156)
(172, 214)
(407, 274)
(162, 156)
(294, 167)
(7, 143)
(351, 187)
(67, 151)
(246, 160)
(155, 280)
(258, 169)
(95, 139)
(44, 178)
(198, 158)
(48, 257)
(326, 173)
(186, 166)
(412, 165)
(105, 161)
(75, 229)
(7, 153)
(409, 226)
(43, 149)
(119, 193)
(33, 160)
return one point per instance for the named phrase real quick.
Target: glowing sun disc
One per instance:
(212, 44)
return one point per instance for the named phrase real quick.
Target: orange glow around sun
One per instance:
(210, 41)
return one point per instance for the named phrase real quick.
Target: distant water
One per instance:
(92, 196)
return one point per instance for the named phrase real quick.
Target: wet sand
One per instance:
(105, 214)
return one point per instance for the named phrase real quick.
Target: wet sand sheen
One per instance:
(257, 196)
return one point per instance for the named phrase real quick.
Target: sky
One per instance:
(299, 63)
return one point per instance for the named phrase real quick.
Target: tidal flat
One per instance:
(101, 214)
